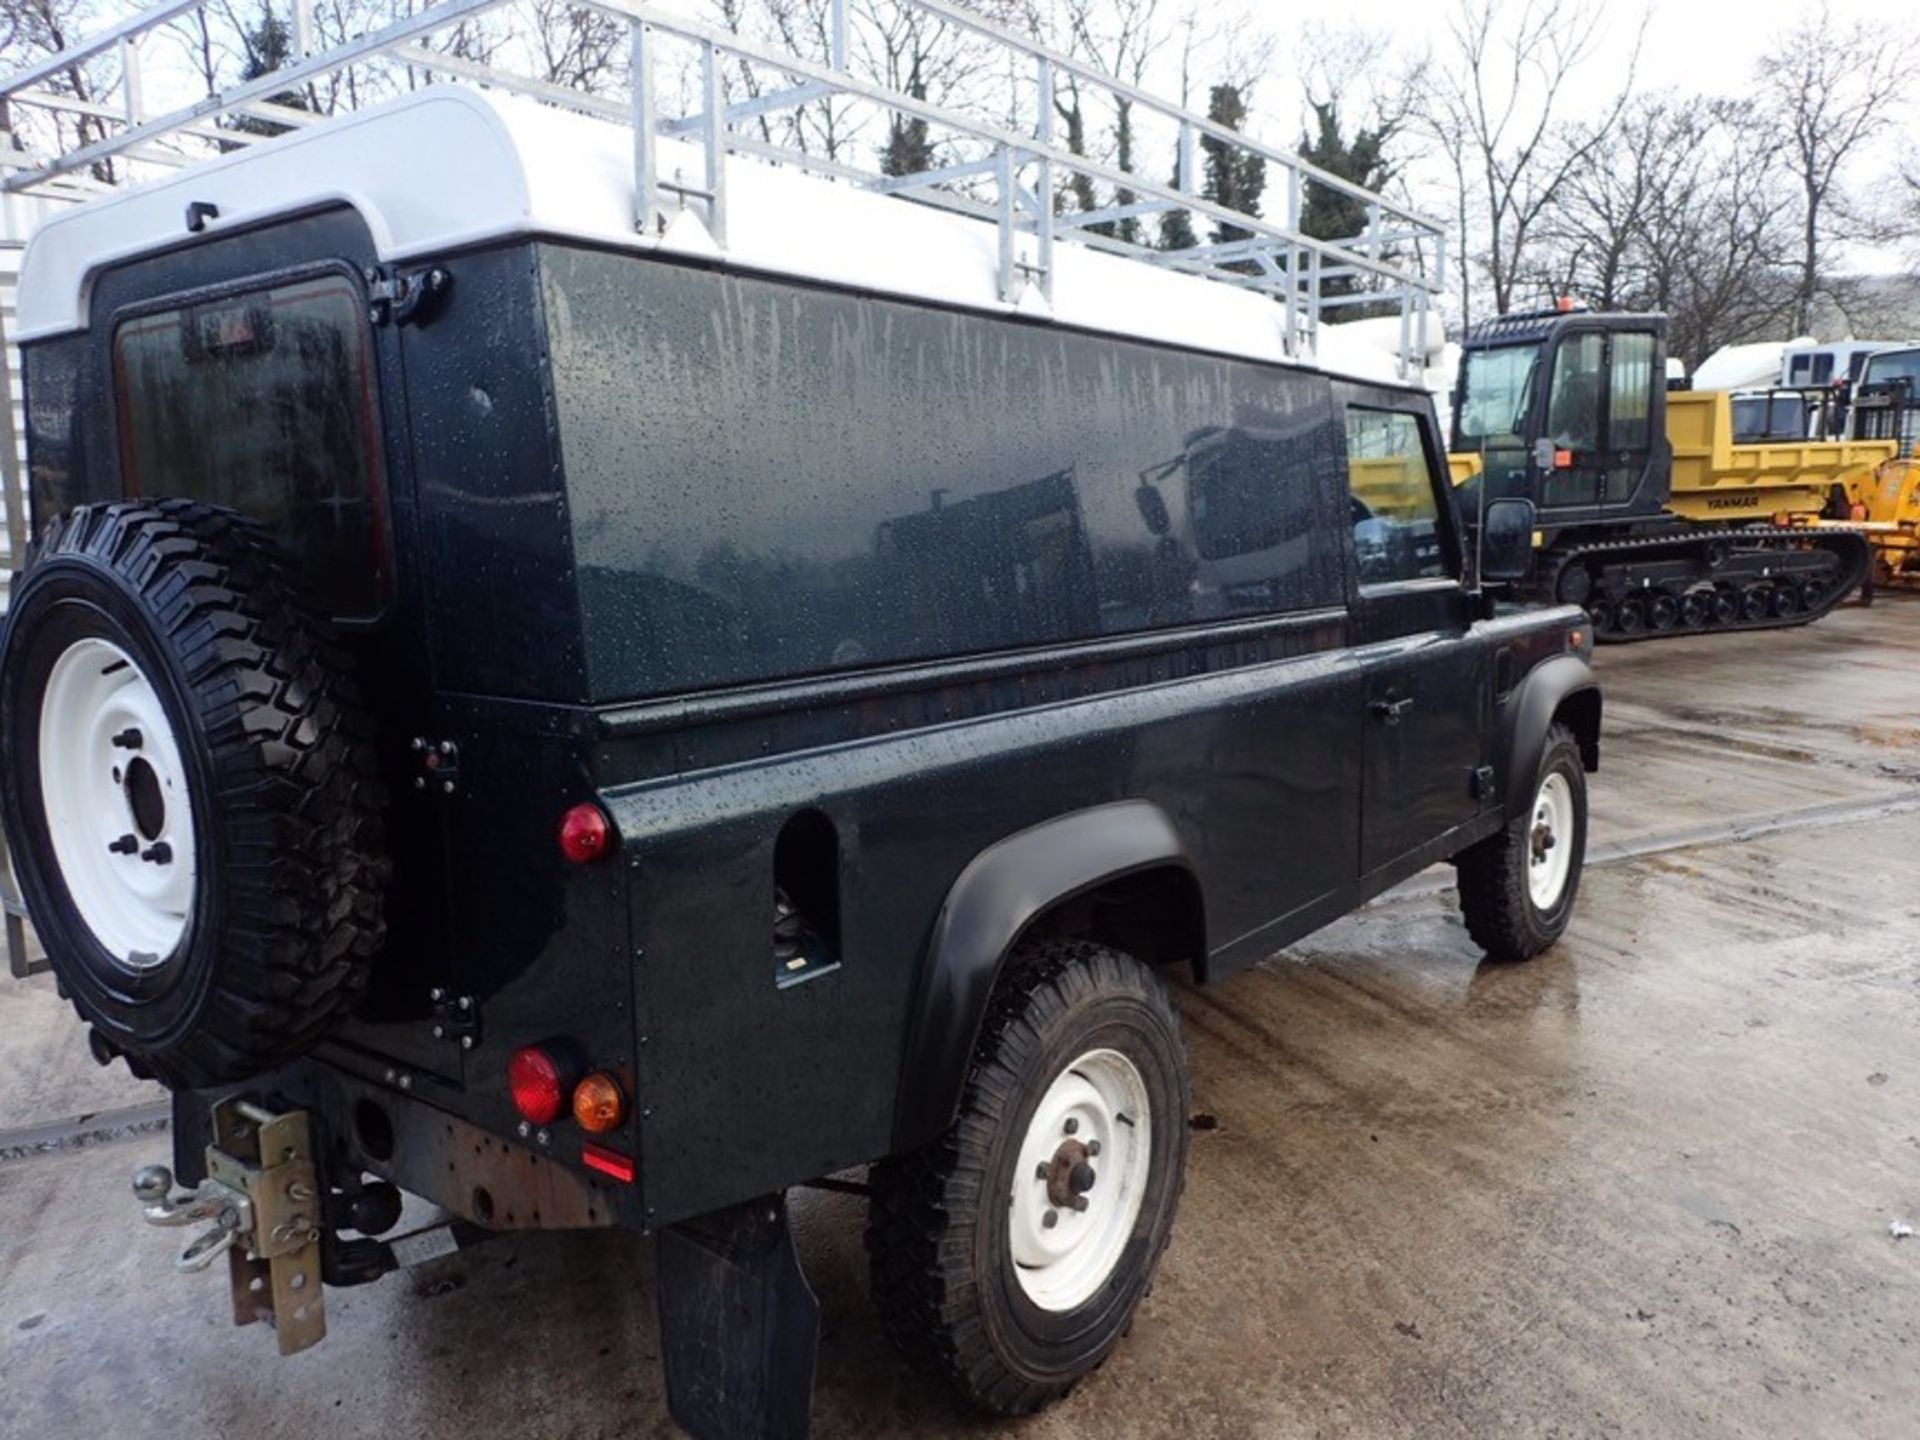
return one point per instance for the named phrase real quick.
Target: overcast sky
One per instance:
(1708, 45)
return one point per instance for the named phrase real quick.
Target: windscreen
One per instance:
(1894, 365)
(1493, 401)
(264, 402)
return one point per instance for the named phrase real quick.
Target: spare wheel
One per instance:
(190, 789)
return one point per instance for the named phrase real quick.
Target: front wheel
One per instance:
(1517, 887)
(1012, 1251)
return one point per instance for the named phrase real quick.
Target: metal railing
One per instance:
(1013, 173)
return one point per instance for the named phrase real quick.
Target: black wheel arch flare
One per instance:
(995, 900)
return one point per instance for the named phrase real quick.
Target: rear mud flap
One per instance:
(739, 1325)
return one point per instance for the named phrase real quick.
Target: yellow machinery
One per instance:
(1887, 504)
(1650, 511)
(1390, 487)
(1717, 479)
(1885, 501)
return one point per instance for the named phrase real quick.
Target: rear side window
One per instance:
(1396, 522)
(264, 402)
(767, 481)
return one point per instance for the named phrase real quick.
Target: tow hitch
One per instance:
(261, 1205)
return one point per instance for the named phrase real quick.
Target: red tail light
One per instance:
(585, 833)
(608, 1162)
(539, 1091)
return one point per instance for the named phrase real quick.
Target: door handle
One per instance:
(1390, 710)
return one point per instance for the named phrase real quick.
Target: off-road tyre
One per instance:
(275, 750)
(942, 1268)
(1496, 897)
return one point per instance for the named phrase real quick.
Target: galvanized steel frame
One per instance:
(1401, 254)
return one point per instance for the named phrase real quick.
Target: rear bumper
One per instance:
(423, 1148)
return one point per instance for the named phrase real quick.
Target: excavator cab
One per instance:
(1567, 409)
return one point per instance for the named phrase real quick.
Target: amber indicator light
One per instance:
(598, 1104)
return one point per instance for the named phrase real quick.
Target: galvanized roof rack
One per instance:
(1013, 172)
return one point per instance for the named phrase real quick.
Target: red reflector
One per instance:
(534, 1078)
(608, 1162)
(585, 833)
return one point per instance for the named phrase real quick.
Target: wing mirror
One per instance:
(1506, 540)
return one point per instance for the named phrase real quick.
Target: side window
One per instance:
(1629, 413)
(1573, 405)
(264, 402)
(1396, 530)
(1632, 393)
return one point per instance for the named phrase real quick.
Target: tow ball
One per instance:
(261, 1206)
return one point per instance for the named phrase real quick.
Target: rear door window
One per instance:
(1396, 517)
(264, 401)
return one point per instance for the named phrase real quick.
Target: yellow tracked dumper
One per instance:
(1651, 512)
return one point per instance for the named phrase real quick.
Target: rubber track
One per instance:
(1678, 543)
(296, 787)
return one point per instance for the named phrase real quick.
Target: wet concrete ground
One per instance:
(1639, 1187)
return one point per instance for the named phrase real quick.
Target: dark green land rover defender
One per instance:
(594, 729)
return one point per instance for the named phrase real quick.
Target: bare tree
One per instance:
(1498, 110)
(1687, 212)
(575, 46)
(32, 30)
(1121, 38)
(1831, 89)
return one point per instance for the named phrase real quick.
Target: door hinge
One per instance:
(439, 765)
(411, 297)
(456, 1018)
(1482, 782)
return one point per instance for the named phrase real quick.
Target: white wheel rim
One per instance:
(1550, 842)
(1097, 1113)
(100, 787)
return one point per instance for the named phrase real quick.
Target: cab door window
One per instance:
(1629, 412)
(1575, 406)
(1390, 484)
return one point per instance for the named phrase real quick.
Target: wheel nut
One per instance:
(1093, 1147)
(158, 853)
(1043, 1171)
(128, 739)
(125, 845)
(1050, 1219)
(1072, 1127)
(1080, 1202)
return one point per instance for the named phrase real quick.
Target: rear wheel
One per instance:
(1517, 887)
(190, 793)
(1011, 1252)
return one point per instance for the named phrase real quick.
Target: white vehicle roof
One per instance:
(1741, 367)
(451, 166)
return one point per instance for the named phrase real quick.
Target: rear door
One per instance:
(246, 372)
(1425, 686)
